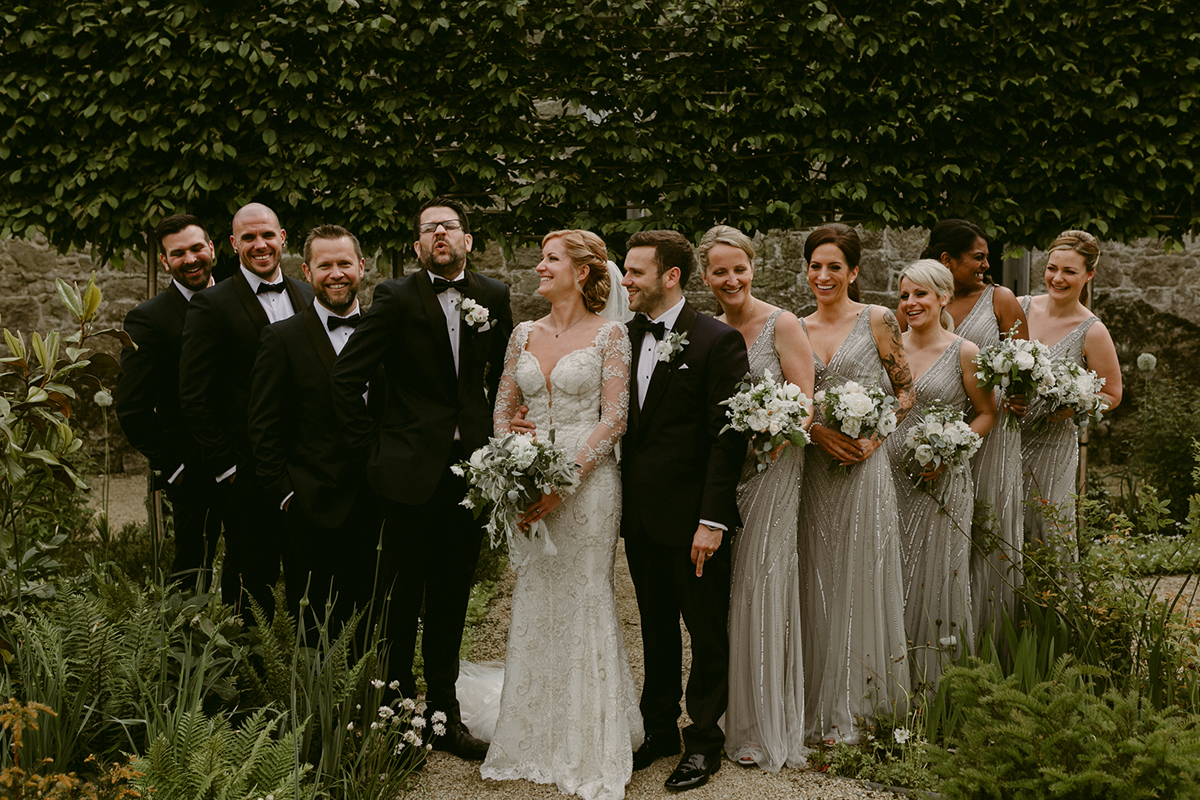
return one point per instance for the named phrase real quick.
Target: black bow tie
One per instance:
(441, 284)
(263, 288)
(640, 325)
(336, 322)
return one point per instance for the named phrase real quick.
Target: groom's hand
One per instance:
(519, 424)
(704, 544)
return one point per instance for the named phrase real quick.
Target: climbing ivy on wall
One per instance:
(1027, 116)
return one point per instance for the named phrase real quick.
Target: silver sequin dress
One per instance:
(765, 715)
(855, 656)
(1051, 458)
(935, 535)
(999, 496)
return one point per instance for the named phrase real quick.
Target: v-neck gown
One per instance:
(569, 710)
(999, 495)
(935, 535)
(855, 656)
(1051, 458)
(765, 715)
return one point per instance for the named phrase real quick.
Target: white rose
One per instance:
(887, 423)
(858, 404)
(998, 363)
(1025, 361)
(924, 454)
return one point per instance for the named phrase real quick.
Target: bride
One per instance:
(568, 708)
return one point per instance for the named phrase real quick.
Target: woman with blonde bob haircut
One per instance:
(935, 527)
(764, 720)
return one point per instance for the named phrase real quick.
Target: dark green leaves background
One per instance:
(1027, 117)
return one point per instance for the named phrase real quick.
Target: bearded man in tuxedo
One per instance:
(304, 460)
(147, 395)
(679, 477)
(221, 337)
(441, 371)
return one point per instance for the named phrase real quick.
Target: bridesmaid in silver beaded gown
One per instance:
(855, 656)
(935, 529)
(1059, 320)
(764, 720)
(981, 312)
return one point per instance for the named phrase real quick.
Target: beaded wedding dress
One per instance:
(855, 656)
(569, 709)
(765, 716)
(998, 532)
(935, 535)
(1051, 456)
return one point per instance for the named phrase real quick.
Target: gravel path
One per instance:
(449, 778)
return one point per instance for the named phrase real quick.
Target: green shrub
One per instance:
(1064, 737)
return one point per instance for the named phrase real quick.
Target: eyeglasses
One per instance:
(448, 224)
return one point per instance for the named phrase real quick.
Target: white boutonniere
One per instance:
(671, 346)
(474, 315)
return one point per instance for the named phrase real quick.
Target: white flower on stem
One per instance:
(948, 641)
(1146, 362)
(429, 746)
(901, 735)
(386, 712)
(439, 716)
(418, 722)
(413, 738)
(399, 749)
(378, 684)
(439, 729)
(394, 686)
(408, 704)
(349, 726)
(103, 399)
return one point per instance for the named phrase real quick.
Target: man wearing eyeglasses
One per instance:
(441, 374)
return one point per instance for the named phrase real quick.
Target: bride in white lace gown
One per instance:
(569, 710)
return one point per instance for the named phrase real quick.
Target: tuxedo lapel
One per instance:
(320, 339)
(299, 301)
(177, 301)
(436, 317)
(663, 370)
(258, 314)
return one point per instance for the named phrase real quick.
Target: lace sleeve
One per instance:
(508, 396)
(614, 399)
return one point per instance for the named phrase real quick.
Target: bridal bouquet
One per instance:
(510, 473)
(1075, 388)
(858, 411)
(770, 414)
(941, 437)
(1017, 366)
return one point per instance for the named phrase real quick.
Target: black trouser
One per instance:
(197, 523)
(332, 565)
(429, 555)
(254, 528)
(664, 578)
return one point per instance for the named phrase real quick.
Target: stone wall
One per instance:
(1149, 299)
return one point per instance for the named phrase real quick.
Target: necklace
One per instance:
(572, 325)
(749, 314)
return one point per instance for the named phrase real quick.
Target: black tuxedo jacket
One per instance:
(676, 466)
(147, 395)
(220, 344)
(297, 442)
(405, 330)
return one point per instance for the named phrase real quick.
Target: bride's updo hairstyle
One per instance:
(586, 249)
(935, 277)
(844, 238)
(1083, 243)
(726, 235)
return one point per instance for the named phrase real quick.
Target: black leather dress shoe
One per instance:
(459, 741)
(693, 771)
(655, 747)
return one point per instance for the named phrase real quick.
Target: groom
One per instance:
(678, 476)
(441, 374)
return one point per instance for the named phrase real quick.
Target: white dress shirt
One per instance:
(277, 304)
(647, 358)
(449, 301)
(341, 335)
